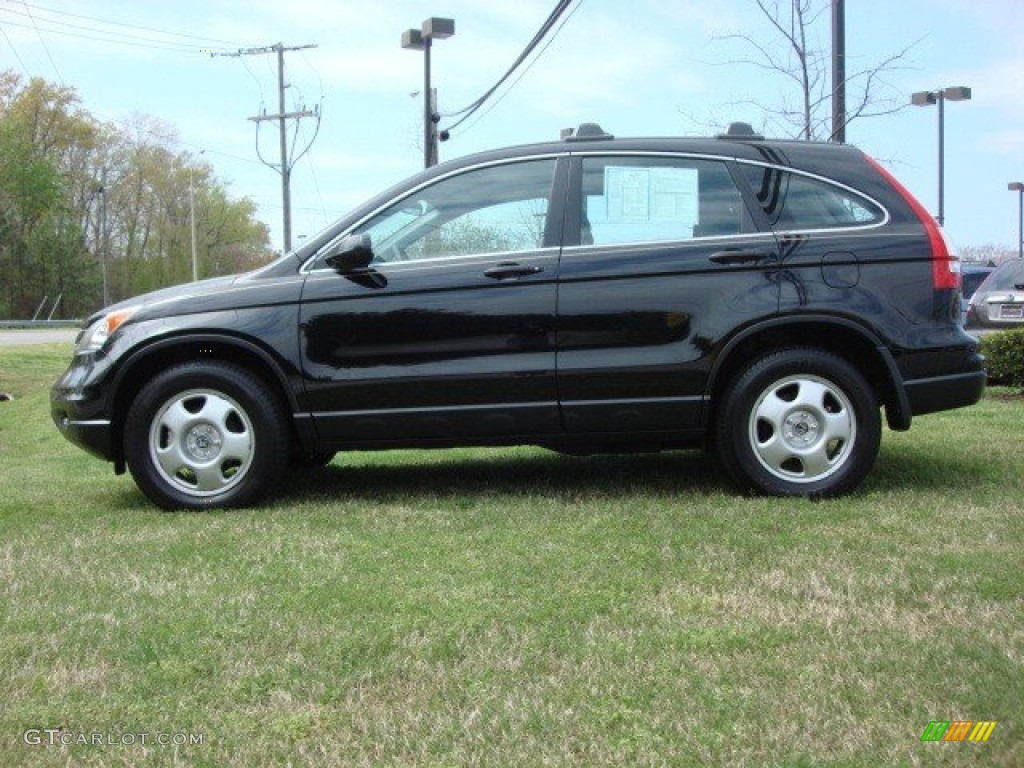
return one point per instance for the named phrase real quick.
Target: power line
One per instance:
(110, 22)
(112, 38)
(528, 67)
(467, 112)
(43, 43)
(14, 50)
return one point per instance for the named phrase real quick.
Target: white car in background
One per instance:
(999, 300)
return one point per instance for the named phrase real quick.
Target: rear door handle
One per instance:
(510, 269)
(736, 256)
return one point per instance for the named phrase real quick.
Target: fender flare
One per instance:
(898, 413)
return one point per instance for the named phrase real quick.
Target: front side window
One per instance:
(791, 201)
(487, 210)
(656, 199)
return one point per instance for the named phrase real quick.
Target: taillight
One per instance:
(945, 266)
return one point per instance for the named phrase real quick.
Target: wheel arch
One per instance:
(147, 361)
(842, 337)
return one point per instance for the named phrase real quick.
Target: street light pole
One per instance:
(1018, 187)
(422, 40)
(102, 236)
(429, 152)
(940, 96)
(192, 220)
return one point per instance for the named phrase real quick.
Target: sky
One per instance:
(639, 68)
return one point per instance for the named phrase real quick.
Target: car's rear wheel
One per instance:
(799, 422)
(203, 435)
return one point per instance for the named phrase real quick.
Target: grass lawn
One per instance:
(512, 607)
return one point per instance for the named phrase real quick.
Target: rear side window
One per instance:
(657, 199)
(791, 201)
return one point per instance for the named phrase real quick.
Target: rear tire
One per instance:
(206, 434)
(799, 422)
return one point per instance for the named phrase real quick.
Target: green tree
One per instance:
(41, 246)
(92, 210)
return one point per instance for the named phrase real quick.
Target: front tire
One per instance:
(204, 435)
(799, 422)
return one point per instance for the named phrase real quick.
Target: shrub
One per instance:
(1004, 354)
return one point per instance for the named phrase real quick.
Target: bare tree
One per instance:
(795, 53)
(989, 253)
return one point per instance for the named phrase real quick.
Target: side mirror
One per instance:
(350, 254)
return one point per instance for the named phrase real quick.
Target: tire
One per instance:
(206, 434)
(799, 422)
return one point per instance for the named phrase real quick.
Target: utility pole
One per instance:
(282, 118)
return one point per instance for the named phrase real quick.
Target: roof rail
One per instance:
(740, 131)
(585, 132)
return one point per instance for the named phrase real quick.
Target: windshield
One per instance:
(971, 281)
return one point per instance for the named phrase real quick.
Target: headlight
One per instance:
(96, 335)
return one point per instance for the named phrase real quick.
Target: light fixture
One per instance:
(940, 97)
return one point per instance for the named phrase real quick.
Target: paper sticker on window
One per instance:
(656, 195)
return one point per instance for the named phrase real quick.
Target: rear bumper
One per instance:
(943, 393)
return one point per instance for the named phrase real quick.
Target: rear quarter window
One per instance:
(793, 201)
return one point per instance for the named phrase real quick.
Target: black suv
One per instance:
(762, 298)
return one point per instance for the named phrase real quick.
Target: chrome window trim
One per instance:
(610, 152)
(886, 216)
(414, 265)
(649, 245)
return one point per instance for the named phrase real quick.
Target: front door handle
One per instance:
(737, 256)
(510, 269)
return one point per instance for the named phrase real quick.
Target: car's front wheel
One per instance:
(207, 434)
(799, 422)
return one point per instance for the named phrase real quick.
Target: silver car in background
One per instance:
(999, 301)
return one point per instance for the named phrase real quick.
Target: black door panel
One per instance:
(438, 351)
(635, 337)
(449, 335)
(666, 261)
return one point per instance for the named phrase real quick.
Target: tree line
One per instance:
(95, 212)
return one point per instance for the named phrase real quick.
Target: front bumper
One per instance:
(94, 436)
(79, 409)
